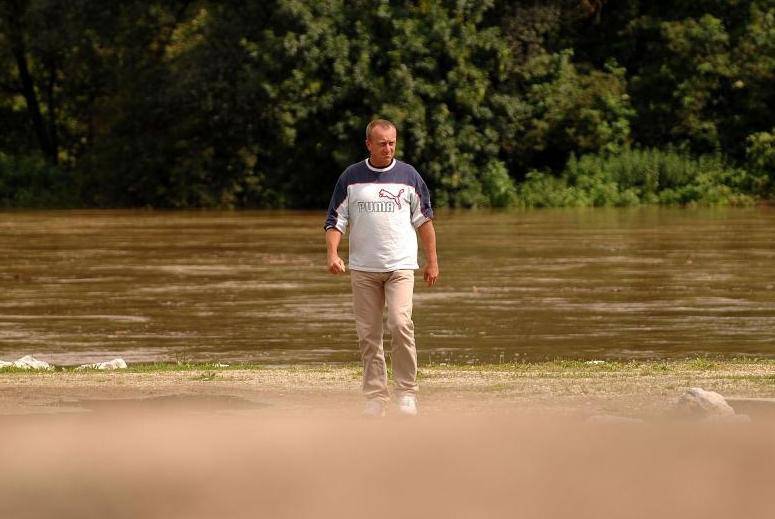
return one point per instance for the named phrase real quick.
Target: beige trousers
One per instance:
(371, 290)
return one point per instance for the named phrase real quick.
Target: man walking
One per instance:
(386, 204)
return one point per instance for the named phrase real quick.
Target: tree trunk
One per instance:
(19, 51)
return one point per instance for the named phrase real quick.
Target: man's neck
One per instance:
(379, 166)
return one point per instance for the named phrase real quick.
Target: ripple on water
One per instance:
(442, 296)
(545, 282)
(114, 318)
(67, 281)
(225, 285)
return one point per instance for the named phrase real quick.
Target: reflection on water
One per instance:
(83, 286)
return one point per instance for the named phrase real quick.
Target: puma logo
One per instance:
(384, 193)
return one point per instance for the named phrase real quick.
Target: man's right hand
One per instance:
(335, 265)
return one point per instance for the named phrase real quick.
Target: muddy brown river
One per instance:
(83, 286)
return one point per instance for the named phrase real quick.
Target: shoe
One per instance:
(374, 409)
(407, 405)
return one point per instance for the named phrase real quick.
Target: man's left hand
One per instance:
(431, 273)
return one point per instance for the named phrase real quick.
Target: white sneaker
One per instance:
(407, 405)
(374, 408)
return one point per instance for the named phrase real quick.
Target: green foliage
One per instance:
(432, 68)
(262, 104)
(498, 187)
(31, 182)
(634, 177)
(697, 73)
(661, 176)
(541, 189)
(761, 159)
(673, 93)
(573, 110)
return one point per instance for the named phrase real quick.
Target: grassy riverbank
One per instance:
(635, 387)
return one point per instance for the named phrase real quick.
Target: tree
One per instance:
(14, 20)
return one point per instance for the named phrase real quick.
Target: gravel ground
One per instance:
(633, 389)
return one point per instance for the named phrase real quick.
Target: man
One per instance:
(386, 204)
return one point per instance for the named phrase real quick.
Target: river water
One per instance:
(83, 286)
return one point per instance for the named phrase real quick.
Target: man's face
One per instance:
(382, 145)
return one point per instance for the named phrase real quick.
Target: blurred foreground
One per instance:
(193, 461)
(511, 440)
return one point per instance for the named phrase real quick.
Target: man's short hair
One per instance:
(379, 122)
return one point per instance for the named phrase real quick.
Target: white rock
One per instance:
(29, 362)
(116, 363)
(612, 419)
(5, 363)
(221, 365)
(594, 362)
(698, 403)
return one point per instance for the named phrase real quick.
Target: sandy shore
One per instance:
(628, 388)
(288, 442)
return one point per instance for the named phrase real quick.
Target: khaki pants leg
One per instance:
(368, 303)
(370, 292)
(399, 289)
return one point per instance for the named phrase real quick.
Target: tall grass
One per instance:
(635, 176)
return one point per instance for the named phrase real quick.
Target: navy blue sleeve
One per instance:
(425, 199)
(338, 215)
(421, 207)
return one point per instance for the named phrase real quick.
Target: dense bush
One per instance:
(634, 177)
(32, 182)
(761, 161)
